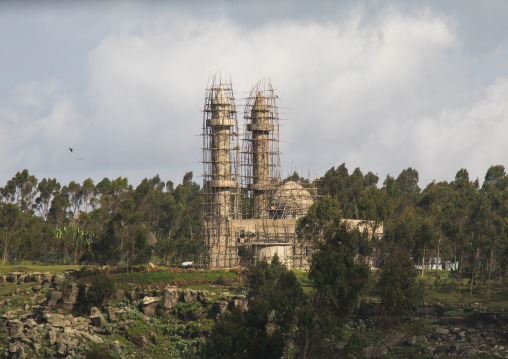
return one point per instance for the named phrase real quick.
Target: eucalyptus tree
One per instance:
(48, 188)
(10, 216)
(21, 189)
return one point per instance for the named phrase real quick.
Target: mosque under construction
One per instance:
(249, 212)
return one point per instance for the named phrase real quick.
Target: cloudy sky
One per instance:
(380, 85)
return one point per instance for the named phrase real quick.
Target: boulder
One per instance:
(57, 320)
(3, 278)
(62, 349)
(15, 328)
(54, 297)
(70, 298)
(189, 295)
(203, 295)
(111, 314)
(171, 297)
(393, 339)
(119, 294)
(149, 305)
(96, 317)
(46, 278)
(442, 331)
(36, 277)
(51, 337)
(22, 278)
(240, 303)
(220, 307)
(133, 296)
(115, 347)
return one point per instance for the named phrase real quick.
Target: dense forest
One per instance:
(462, 222)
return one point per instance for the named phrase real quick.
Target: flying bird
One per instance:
(70, 149)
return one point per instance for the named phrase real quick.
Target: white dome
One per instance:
(291, 200)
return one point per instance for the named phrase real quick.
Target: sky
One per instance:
(379, 85)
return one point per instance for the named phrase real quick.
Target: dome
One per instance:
(291, 200)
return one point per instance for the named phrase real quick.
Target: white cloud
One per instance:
(380, 91)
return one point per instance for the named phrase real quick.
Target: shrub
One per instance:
(100, 291)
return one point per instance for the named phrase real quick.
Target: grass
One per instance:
(38, 268)
(180, 277)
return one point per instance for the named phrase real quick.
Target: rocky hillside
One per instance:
(58, 316)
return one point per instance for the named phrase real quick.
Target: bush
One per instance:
(100, 291)
(100, 352)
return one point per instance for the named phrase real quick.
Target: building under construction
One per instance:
(249, 213)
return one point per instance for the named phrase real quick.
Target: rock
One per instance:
(111, 314)
(411, 340)
(46, 278)
(15, 328)
(52, 337)
(393, 339)
(36, 288)
(189, 295)
(119, 294)
(56, 320)
(442, 331)
(241, 303)
(149, 305)
(22, 278)
(220, 307)
(3, 278)
(143, 342)
(170, 297)
(81, 324)
(36, 277)
(71, 297)
(374, 352)
(14, 346)
(115, 347)
(133, 296)
(54, 297)
(96, 317)
(62, 349)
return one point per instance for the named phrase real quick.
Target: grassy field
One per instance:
(37, 268)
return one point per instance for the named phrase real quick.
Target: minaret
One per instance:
(261, 166)
(220, 178)
(260, 129)
(220, 125)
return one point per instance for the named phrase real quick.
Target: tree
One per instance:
(9, 220)
(243, 335)
(48, 188)
(339, 274)
(21, 189)
(311, 227)
(399, 291)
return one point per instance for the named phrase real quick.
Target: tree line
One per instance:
(462, 222)
(109, 222)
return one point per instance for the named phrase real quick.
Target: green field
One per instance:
(38, 268)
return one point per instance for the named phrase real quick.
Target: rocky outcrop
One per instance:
(96, 317)
(150, 305)
(170, 297)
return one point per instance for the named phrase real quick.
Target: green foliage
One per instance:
(100, 351)
(398, 288)
(100, 291)
(243, 335)
(338, 272)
